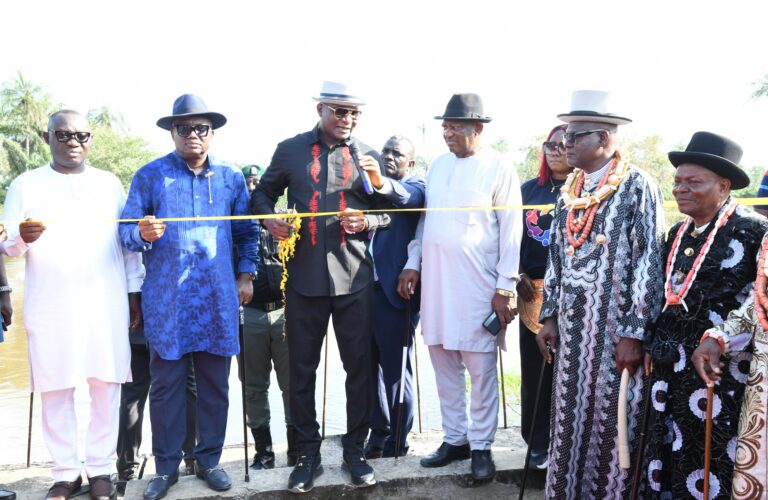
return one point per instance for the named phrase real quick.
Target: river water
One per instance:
(15, 396)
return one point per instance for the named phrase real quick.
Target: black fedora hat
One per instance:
(191, 105)
(467, 107)
(716, 153)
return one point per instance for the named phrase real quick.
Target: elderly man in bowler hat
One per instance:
(711, 267)
(331, 275)
(602, 291)
(193, 287)
(469, 261)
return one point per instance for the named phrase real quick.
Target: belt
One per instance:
(268, 306)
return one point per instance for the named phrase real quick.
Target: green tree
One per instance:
(119, 153)
(528, 167)
(24, 110)
(501, 145)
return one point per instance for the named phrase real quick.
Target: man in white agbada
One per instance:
(470, 268)
(78, 280)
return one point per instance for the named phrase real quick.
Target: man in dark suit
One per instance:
(331, 273)
(390, 252)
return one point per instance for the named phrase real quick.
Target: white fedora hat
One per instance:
(592, 106)
(338, 93)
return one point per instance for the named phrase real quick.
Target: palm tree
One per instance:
(24, 110)
(107, 118)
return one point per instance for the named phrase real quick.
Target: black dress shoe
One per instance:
(372, 451)
(302, 478)
(216, 477)
(446, 454)
(158, 486)
(102, 487)
(359, 470)
(482, 465)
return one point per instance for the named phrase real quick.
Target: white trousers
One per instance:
(450, 367)
(60, 430)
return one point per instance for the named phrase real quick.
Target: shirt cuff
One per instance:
(386, 188)
(14, 246)
(507, 283)
(134, 285)
(246, 266)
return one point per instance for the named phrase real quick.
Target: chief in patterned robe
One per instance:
(675, 451)
(745, 334)
(611, 287)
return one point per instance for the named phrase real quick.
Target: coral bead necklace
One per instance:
(678, 298)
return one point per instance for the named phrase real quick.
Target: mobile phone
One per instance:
(492, 324)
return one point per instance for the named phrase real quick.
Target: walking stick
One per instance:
(325, 381)
(29, 427)
(241, 367)
(418, 388)
(533, 427)
(708, 437)
(622, 417)
(406, 337)
(503, 390)
(639, 454)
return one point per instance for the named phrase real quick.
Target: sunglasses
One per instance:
(342, 112)
(570, 137)
(185, 130)
(552, 146)
(64, 136)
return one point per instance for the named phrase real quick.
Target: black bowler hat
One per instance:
(716, 153)
(191, 105)
(468, 107)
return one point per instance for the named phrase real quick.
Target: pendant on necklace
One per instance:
(688, 252)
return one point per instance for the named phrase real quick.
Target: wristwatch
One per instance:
(506, 293)
(5, 288)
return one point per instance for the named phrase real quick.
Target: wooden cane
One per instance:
(708, 436)
(637, 472)
(622, 417)
(533, 426)
(325, 381)
(503, 391)
(418, 388)
(29, 427)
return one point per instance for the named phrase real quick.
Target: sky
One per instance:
(674, 67)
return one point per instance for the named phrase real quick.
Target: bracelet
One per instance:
(506, 293)
(721, 338)
(5, 288)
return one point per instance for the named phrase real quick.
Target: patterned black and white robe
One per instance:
(603, 292)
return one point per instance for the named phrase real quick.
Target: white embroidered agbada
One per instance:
(77, 276)
(467, 254)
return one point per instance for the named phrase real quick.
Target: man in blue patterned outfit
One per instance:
(190, 296)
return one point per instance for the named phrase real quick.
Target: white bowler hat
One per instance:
(338, 93)
(592, 106)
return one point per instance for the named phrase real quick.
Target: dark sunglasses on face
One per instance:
(185, 130)
(552, 146)
(570, 137)
(342, 112)
(64, 136)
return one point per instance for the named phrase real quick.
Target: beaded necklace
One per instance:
(677, 298)
(761, 297)
(571, 191)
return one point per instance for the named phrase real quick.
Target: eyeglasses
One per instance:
(570, 137)
(64, 136)
(552, 146)
(185, 130)
(342, 112)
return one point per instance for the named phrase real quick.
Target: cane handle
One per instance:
(622, 417)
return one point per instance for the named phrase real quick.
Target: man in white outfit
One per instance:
(470, 269)
(78, 284)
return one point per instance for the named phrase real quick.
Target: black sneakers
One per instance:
(358, 468)
(302, 478)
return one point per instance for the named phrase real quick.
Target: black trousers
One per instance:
(530, 367)
(306, 320)
(133, 398)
